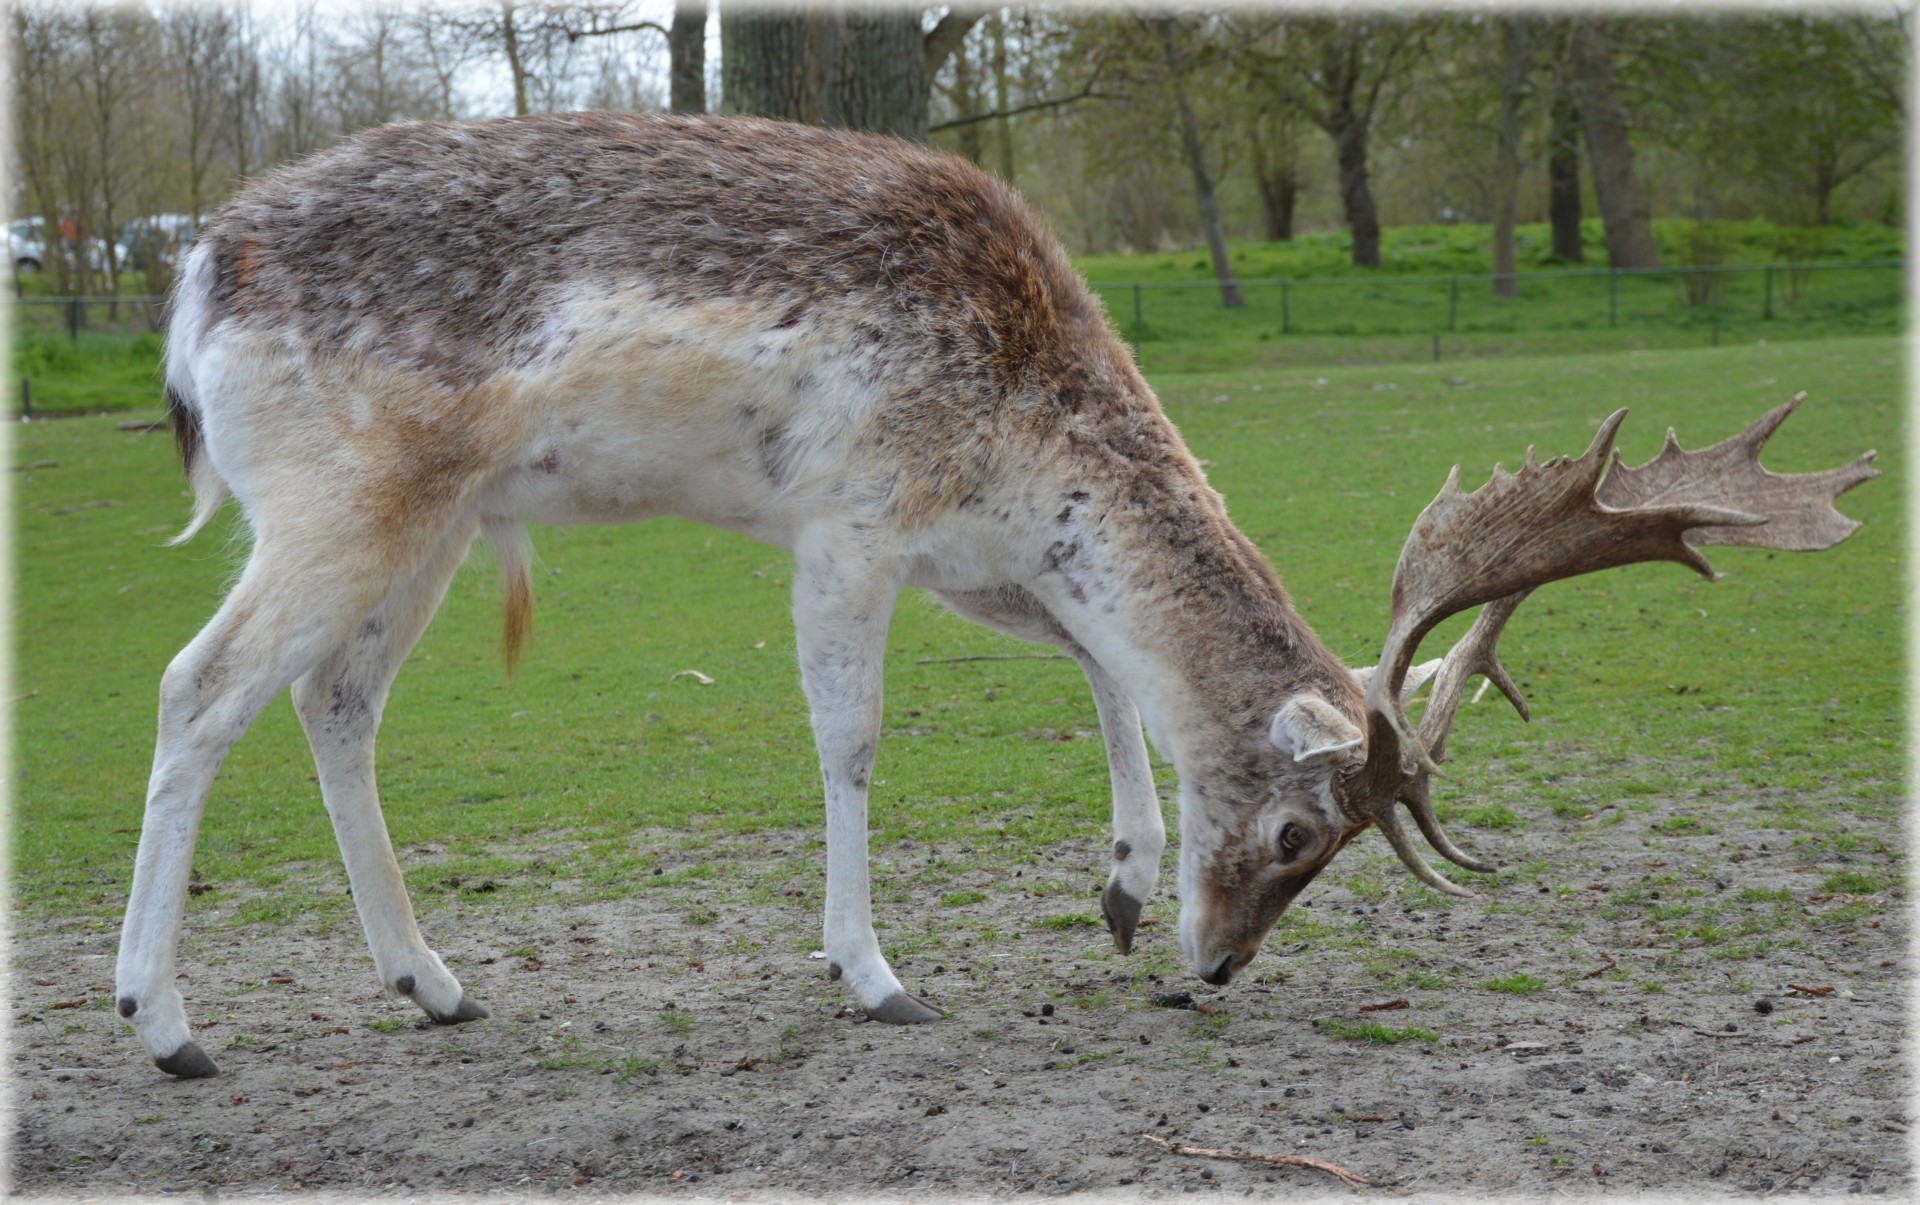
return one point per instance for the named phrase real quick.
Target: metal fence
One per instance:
(127, 315)
(1871, 292)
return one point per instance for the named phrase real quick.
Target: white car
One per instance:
(27, 247)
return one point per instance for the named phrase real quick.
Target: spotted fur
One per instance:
(867, 352)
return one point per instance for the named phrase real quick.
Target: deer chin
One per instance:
(1221, 934)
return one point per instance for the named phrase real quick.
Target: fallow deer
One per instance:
(867, 352)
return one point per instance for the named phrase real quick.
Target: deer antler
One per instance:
(1549, 521)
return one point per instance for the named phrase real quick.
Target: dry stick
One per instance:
(995, 657)
(29, 695)
(1333, 1169)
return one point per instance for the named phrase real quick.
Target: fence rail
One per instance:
(1871, 291)
(1573, 298)
(130, 314)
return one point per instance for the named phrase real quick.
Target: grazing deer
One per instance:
(866, 352)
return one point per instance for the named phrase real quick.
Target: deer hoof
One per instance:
(188, 1062)
(1123, 916)
(902, 1009)
(468, 1009)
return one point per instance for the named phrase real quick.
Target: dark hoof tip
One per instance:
(468, 1009)
(902, 1009)
(1123, 916)
(188, 1062)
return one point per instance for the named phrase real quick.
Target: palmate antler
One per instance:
(1554, 520)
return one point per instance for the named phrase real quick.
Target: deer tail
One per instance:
(515, 551)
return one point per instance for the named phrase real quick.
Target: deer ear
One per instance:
(1416, 677)
(1307, 726)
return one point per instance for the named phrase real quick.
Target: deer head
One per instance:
(1519, 531)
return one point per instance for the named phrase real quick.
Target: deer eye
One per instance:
(1292, 837)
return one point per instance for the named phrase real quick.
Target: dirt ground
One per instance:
(638, 1047)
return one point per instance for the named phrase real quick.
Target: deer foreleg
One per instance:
(843, 598)
(340, 702)
(1139, 833)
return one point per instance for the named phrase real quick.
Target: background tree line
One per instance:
(1129, 129)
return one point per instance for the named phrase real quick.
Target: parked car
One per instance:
(27, 247)
(157, 238)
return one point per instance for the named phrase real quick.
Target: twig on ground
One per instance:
(1825, 989)
(1603, 970)
(1333, 1169)
(29, 695)
(995, 657)
(1384, 1006)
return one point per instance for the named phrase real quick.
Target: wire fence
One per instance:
(1866, 293)
(73, 316)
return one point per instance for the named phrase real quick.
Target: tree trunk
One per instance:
(1276, 175)
(859, 69)
(1000, 94)
(766, 69)
(1563, 178)
(1349, 132)
(1623, 209)
(687, 57)
(1196, 151)
(966, 101)
(510, 39)
(878, 80)
(1506, 184)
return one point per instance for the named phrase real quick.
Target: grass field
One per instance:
(1645, 681)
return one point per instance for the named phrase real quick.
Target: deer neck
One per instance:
(1143, 568)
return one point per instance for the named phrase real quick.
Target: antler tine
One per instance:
(1474, 654)
(1517, 532)
(1396, 836)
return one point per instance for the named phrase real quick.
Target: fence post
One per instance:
(1613, 297)
(1767, 310)
(26, 398)
(1286, 315)
(1453, 302)
(1138, 321)
(73, 319)
(1436, 347)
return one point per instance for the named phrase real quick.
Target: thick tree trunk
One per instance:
(766, 69)
(687, 57)
(878, 79)
(1563, 178)
(1349, 131)
(1623, 208)
(862, 69)
(1506, 185)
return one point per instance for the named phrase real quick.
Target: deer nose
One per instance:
(1219, 975)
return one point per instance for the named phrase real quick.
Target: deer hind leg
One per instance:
(300, 595)
(843, 596)
(1139, 832)
(339, 702)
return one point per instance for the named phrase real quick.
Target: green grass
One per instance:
(1373, 1032)
(1341, 314)
(594, 766)
(1516, 985)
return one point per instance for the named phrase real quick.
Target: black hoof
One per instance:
(902, 1009)
(468, 1009)
(1123, 916)
(188, 1062)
